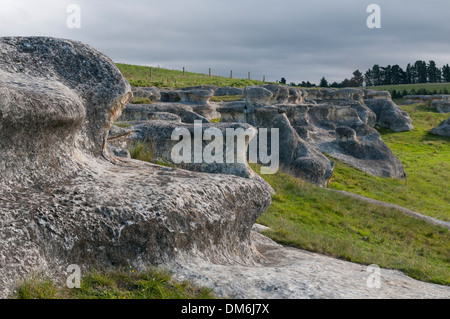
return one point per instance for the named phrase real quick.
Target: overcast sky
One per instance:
(298, 40)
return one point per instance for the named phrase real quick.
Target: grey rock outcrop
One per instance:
(344, 133)
(196, 98)
(296, 155)
(159, 136)
(423, 99)
(389, 115)
(66, 200)
(339, 123)
(151, 93)
(145, 112)
(443, 129)
(228, 91)
(441, 106)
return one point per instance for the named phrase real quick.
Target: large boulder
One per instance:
(443, 129)
(344, 133)
(389, 115)
(66, 200)
(159, 137)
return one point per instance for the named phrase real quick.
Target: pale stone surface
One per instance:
(288, 273)
(65, 200)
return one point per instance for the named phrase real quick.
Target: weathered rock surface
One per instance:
(228, 91)
(423, 99)
(339, 123)
(289, 273)
(389, 115)
(146, 112)
(65, 200)
(296, 155)
(443, 129)
(151, 93)
(343, 132)
(441, 106)
(159, 135)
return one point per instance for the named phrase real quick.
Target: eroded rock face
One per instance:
(151, 93)
(164, 136)
(344, 133)
(228, 91)
(146, 112)
(338, 122)
(297, 156)
(65, 200)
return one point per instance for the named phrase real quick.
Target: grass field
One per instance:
(140, 76)
(315, 219)
(438, 87)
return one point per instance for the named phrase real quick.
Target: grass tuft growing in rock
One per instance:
(125, 284)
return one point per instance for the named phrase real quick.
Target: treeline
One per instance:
(400, 94)
(419, 72)
(356, 81)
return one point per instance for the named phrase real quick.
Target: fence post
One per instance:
(231, 74)
(209, 72)
(151, 73)
(249, 75)
(264, 78)
(183, 71)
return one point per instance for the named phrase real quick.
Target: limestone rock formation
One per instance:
(343, 132)
(159, 135)
(338, 123)
(389, 115)
(65, 200)
(441, 106)
(146, 112)
(151, 93)
(296, 155)
(423, 99)
(443, 129)
(228, 91)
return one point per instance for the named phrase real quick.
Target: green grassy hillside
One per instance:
(140, 76)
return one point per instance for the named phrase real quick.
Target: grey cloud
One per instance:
(290, 38)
